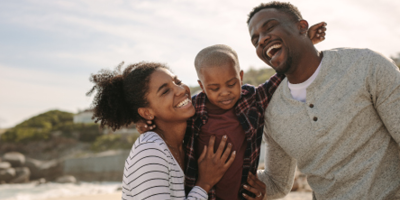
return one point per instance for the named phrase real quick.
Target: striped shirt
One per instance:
(151, 172)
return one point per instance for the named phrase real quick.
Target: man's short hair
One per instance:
(288, 8)
(216, 55)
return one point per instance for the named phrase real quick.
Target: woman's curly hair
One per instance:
(120, 94)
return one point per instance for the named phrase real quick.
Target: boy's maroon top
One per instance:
(224, 122)
(249, 111)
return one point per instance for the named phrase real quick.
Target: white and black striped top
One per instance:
(151, 172)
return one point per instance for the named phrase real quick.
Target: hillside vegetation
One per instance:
(42, 126)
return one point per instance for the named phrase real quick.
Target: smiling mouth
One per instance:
(226, 101)
(183, 103)
(272, 50)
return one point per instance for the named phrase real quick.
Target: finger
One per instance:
(252, 190)
(210, 149)
(221, 147)
(226, 153)
(203, 154)
(322, 35)
(247, 196)
(149, 122)
(258, 184)
(230, 161)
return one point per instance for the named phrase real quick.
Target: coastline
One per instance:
(111, 196)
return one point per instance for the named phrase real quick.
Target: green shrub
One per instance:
(113, 141)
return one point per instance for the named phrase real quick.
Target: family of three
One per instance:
(334, 114)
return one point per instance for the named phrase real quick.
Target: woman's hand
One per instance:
(317, 32)
(144, 126)
(212, 166)
(255, 186)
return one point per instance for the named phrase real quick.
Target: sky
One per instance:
(48, 49)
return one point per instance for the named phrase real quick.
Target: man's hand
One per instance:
(144, 126)
(255, 186)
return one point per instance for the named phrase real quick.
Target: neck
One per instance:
(305, 66)
(172, 133)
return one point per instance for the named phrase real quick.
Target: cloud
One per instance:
(49, 48)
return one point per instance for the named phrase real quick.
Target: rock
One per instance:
(7, 174)
(66, 179)
(44, 169)
(40, 181)
(16, 159)
(5, 165)
(22, 175)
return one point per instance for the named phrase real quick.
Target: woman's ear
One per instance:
(302, 25)
(146, 113)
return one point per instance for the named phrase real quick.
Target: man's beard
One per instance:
(286, 66)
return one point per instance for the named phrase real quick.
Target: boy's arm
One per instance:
(267, 89)
(279, 171)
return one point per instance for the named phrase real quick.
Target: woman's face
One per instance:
(169, 99)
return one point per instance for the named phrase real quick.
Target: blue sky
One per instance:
(48, 49)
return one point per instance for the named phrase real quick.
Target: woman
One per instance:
(153, 170)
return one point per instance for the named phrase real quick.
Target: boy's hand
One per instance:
(255, 186)
(144, 126)
(317, 32)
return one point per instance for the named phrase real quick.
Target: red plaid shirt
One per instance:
(250, 110)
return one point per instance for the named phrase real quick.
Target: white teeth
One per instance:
(275, 46)
(183, 103)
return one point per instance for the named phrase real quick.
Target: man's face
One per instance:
(273, 34)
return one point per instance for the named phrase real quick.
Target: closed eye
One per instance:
(177, 81)
(231, 85)
(165, 92)
(214, 89)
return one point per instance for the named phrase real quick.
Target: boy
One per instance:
(225, 107)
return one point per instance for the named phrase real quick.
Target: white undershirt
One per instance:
(299, 91)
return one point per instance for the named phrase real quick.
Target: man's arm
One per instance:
(278, 174)
(385, 93)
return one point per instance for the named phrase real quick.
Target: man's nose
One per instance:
(264, 39)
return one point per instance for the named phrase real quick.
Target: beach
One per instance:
(117, 196)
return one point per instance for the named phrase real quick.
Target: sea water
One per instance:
(34, 191)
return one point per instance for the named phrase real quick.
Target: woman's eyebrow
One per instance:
(162, 86)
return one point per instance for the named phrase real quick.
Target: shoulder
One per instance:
(148, 143)
(364, 58)
(353, 54)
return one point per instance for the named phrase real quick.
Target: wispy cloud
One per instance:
(49, 48)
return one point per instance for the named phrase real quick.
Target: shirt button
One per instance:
(311, 105)
(315, 119)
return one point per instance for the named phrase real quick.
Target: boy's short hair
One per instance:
(216, 55)
(288, 8)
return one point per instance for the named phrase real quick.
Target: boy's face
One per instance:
(222, 84)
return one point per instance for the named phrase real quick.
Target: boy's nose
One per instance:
(225, 92)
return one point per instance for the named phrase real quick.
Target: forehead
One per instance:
(159, 77)
(266, 15)
(219, 74)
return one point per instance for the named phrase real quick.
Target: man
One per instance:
(336, 115)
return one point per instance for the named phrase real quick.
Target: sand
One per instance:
(117, 196)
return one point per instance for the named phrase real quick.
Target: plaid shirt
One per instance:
(250, 112)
